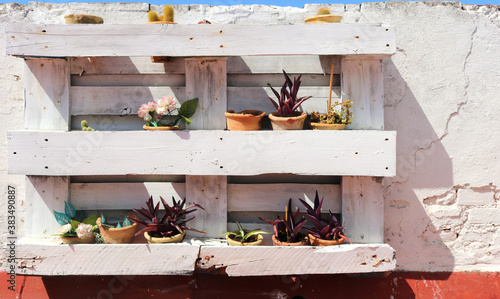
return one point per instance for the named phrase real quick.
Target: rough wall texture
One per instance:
(442, 209)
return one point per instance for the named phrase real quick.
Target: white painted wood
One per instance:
(363, 83)
(171, 80)
(275, 260)
(43, 196)
(211, 193)
(46, 94)
(206, 79)
(363, 209)
(123, 196)
(305, 64)
(368, 153)
(274, 197)
(194, 40)
(232, 226)
(106, 259)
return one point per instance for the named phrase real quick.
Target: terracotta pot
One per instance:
(288, 123)
(323, 126)
(232, 242)
(320, 242)
(277, 242)
(323, 19)
(246, 120)
(164, 128)
(120, 235)
(174, 239)
(83, 19)
(76, 240)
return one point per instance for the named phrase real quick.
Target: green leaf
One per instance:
(188, 121)
(240, 228)
(62, 218)
(91, 220)
(188, 108)
(254, 232)
(69, 209)
(74, 224)
(126, 222)
(118, 225)
(103, 220)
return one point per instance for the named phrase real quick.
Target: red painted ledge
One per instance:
(397, 285)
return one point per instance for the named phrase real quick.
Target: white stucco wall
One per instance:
(442, 209)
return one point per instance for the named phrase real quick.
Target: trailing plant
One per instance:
(288, 101)
(71, 227)
(124, 223)
(326, 229)
(334, 115)
(173, 222)
(288, 229)
(243, 235)
(154, 113)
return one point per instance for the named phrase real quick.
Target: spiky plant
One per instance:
(243, 235)
(172, 223)
(288, 229)
(153, 16)
(168, 13)
(323, 11)
(288, 101)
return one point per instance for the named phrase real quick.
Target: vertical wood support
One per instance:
(46, 108)
(206, 79)
(362, 197)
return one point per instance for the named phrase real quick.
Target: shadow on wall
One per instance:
(422, 164)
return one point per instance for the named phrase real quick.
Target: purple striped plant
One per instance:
(288, 101)
(288, 229)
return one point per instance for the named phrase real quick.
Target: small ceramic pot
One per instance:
(122, 235)
(246, 120)
(232, 242)
(277, 242)
(320, 242)
(163, 128)
(323, 126)
(288, 123)
(174, 239)
(76, 240)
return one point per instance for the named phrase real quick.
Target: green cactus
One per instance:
(323, 11)
(153, 16)
(85, 126)
(168, 13)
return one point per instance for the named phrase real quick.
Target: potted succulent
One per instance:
(244, 237)
(117, 233)
(246, 120)
(335, 119)
(287, 117)
(73, 231)
(169, 228)
(156, 114)
(287, 230)
(325, 232)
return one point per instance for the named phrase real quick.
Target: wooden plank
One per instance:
(171, 80)
(47, 94)
(106, 259)
(306, 64)
(274, 197)
(122, 196)
(194, 40)
(206, 79)
(363, 209)
(369, 153)
(43, 196)
(275, 260)
(211, 193)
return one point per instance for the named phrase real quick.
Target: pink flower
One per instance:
(145, 109)
(166, 104)
(84, 231)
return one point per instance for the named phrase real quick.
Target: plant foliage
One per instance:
(288, 229)
(288, 101)
(243, 235)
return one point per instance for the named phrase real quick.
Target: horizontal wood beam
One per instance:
(48, 40)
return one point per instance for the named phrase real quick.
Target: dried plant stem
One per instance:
(330, 93)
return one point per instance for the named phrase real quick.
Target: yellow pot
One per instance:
(323, 126)
(232, 242)
(174, 239)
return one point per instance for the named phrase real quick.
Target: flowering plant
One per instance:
(72, 227)
(334, 115)
(154, 112)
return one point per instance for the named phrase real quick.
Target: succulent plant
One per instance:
(288, 229)
(85, 126)
(243, 235)
(330, 230)
(288, 101)
(168, 13)
(153, 16)
(342, 116)
(323, 11)
(172, 223)
(124, 223)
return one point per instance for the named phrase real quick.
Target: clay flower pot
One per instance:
(163, 128)
(323, 19)
(320, 242)
(277, 242)
(76, 240)
(232, 242)
(122, 235)
(83, 19)
(288, 123)
(246, 120)
(174, 239)
(323, 126)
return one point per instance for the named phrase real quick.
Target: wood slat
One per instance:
(370, 153)
(274, 197)
(194, 40)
